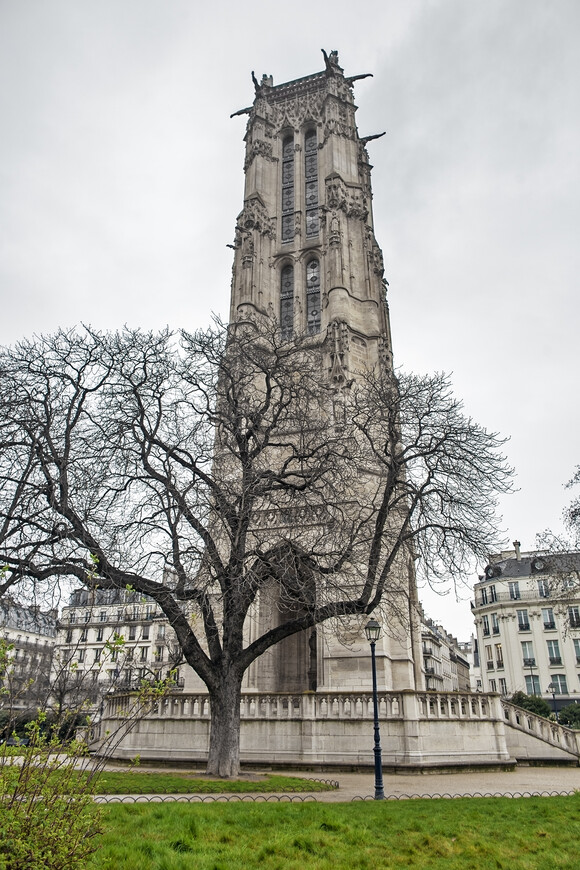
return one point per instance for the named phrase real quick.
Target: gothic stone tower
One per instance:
(306, 255)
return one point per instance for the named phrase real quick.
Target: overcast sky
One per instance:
(121, 178)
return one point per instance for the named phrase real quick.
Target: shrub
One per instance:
(570, 716)
(533, 703)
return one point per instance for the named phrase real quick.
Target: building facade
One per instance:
(113, 640)
(306, 257)
(445, 664)
(527, 617)
(29, 635)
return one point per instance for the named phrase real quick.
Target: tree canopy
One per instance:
(206, 468)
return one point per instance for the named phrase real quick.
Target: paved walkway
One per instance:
(522, 780)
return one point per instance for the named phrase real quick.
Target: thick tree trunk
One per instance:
(224, 737)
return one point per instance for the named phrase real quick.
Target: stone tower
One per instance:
(306, 256)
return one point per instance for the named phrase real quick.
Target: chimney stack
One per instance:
(517, 549)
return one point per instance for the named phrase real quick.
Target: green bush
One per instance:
(570, 716)
(48, 818)
(533, 703)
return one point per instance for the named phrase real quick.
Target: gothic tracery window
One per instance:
(313, 297)
(311, 182)
(287, 301)
(288, 189)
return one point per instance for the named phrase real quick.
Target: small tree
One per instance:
(225, 471)
(533, 703)
(570, 716)
(48, 817)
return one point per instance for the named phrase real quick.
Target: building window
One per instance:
(287, 301)
(574, 617)
(554, 652)
(159, 653)
(81, 656)
(119, 615)
(523, 621)
(503, 686)
(144, 650)
(145, 634)
(69, 636)
(311, 182)
(548, 617)
(72, 617)
(160, 631)
(498, 655)
(492, 594)
(577, 650)
(99, 634)
(494, 623)
(87, 615)
(288, 189)
(484, 595)
(489, 658)
(132, 632)
(543, 589)
(97, 655)
(559, 683)
(84, 635)
(528, 654)
(514, 590)
(492, 686)
(533, 685)
(485, 623)
(130, 653)
(103, 616)
(313, 297)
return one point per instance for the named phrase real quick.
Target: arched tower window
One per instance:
(313, 296)
(311, 182)
(287, 301)
(288, 189)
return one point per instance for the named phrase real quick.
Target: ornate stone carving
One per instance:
(350, 200)
(337, 337)
(295, 111)
(255, 217)
(261, 147)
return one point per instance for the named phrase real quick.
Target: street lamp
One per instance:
(373, 631)
(552, 689)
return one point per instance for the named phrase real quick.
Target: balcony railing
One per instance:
(490, 666)
(549, 625)
(529, 663)
(522, 595)
(555, 660)
(523, 626)
(499, 664)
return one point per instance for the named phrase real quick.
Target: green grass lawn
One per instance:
(459, 834)
(143, 782)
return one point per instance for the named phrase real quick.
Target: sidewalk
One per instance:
(352, 786)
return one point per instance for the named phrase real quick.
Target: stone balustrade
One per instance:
(540, 727)
(322, 706)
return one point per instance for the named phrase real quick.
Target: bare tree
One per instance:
(221, 470)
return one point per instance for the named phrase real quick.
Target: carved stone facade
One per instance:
(306, 254)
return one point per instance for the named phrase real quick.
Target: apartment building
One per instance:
(111, 640)
(527, 617)
(30, 635)
(444, 664)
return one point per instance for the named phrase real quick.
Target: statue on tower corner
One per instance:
(331, 62)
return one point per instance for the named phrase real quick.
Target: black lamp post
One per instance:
(552, 690)
(373, 631)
